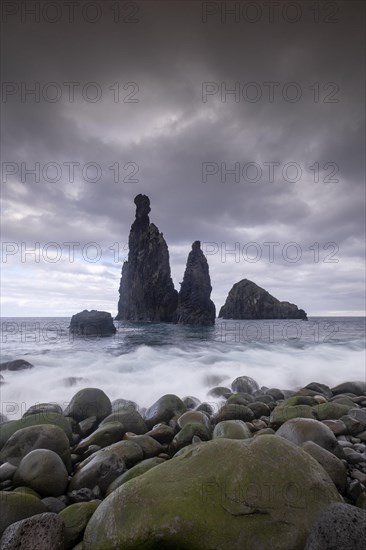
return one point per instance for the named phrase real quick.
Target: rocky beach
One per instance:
(251, 467)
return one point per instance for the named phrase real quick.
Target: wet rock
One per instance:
(231, 429)
(164, 409)
(28, 439)
(357, 388)
(42, 532)
(53, 504)
(105, 435)
(246, 300)
(43, 471)
(130, 420)
(219, 391)
(188, 432)
(233, 412)
(244, 384)
(194, 417)
(9, 428)
(149, 446)
(146, 290)
(7, 471)
(43, 408)
(89, 402)
(194, 304)
(300, 430)
(92, 323)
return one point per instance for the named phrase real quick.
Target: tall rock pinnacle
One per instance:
(146, 290)
(194, 304)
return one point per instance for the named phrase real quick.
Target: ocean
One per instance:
(144, 361)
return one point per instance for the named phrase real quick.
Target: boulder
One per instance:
(105, 435)
(357, 388)
(231, 429)
(244, 384)
(164, 409)
(28, 439)
(42, 532)
(16, 506)
(146, 291)
(52, 419)
(300, 430)
(89, 402)
(339, 526)
(185, 436)
(233, 412)
(330, 411)
(92, 323)
(246, 300)
(220, 494)
(130, 420)
(194, 304)
(43, 471)
(331, 464)
(75, 519)
(43, 409)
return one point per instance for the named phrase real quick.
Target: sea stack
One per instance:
(146, 290)
(194, 304)
(246, 300)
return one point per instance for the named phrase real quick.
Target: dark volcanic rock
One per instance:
(146, 290)
(194, 304)
(42, 531)
(92, 323)
(246, 300)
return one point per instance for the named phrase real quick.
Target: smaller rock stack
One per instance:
(92, 323)
(194, 304)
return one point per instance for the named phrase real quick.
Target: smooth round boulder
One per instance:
(259, 409)
(89, 402)
(43, 436)
(339, 526)
(164, 409)
(185, 436)
(231, 429)
(220, 494)
(191, 402)
(162, 433)
(18, 506)
(44, 472)
(356, 387)
(194, 417)
(285, 412)
(41, 532)
(75, 518)
(244, 384)
(330, 411)
(105, 435)
(233, 412)
(123, 404)
(300, 430)
(149, 446)
(9, 428)
(130, 420)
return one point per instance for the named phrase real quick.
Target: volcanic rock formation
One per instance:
(146, 290)
(246, 300)
(194, 304)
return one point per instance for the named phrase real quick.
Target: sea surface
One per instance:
(144, 361)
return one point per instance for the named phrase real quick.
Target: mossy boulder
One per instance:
(17, 506)
(9, 428)
(130, 420)
(185, 435)
(231, 429)
(28, 439)
(43, 471)
(137, 470)
(89, 402)
(261, 493)
(105, 435)
(330, 411)
(331, 464)
(76, 517)
(284, 412)
(233, 412)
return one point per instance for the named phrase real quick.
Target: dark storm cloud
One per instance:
(170, 133)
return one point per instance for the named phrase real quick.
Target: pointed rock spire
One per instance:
(194, 304)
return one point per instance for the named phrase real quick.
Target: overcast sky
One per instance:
(139, 101)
